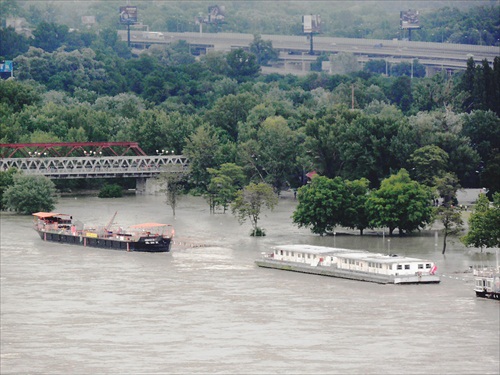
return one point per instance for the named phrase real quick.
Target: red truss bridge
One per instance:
(73, 149)
(88, 160)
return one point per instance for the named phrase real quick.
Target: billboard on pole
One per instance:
(216, 13)
(6, 66)
(311, 24)
(128, 14)
(409, 19)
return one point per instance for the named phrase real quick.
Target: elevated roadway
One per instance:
(296, 48)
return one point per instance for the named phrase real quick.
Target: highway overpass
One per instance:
(294, 50)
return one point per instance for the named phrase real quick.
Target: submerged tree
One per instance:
(173, 187)
(484, 224)
(448, 213)
(249, 202)
(30, 194)
(224, 184)
(400, 203)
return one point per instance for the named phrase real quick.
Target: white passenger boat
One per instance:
(351, 264)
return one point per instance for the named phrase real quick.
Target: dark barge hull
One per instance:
(490, 295)
(144, 244)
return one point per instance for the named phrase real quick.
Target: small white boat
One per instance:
(351, 264)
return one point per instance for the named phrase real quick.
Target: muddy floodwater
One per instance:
(206, 308)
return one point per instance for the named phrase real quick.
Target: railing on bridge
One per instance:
(97, 166)
(10, 150)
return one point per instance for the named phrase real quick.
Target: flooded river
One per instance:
(206, 308)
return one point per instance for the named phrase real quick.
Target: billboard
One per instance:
(6, 66)
(409, 19)
(311, 24)
(128, 15)
(216, 13)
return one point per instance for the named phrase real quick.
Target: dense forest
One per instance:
(85, 85)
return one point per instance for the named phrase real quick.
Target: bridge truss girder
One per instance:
(97, 167)
(70, 149)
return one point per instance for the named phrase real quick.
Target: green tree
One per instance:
(242, 65)
(30, 194)
(321, 204)
(401, 94)
(355, 215)
(13, 44)
(400, 203)
(263, 49)
(484, 224)
(249, 203)
(6, 180)
(173, 186)
(277, 151)
(229, 110)
(111, 191)
(224, 184)
(17, 94)
(428, 162)
(202, 148)
(50, 36)
(448, 213)
(490, 176)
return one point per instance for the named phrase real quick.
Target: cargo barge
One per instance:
(61, 228)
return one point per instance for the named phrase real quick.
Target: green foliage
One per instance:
(429, 162)
(400, 203)
(6, 180)
(110, 191)
(13, 44)
(30, 194)
(481, 85)
(276, 151)
(484, 224)
(320, 204)
(263, 49)
(224, 184)
(274, 126)
(250, 201)
(448, 213)
(203, 150)
(49, 36)
(242, 65)
(18, 94)
(326, 203)
(451, 218)
(173, 186)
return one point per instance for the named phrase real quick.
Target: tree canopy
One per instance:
(30, 194)
(401, 204)
(484, 224)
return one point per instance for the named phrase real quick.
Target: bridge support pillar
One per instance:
(140, 185)
(146, 186)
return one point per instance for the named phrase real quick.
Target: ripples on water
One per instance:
(205, 307)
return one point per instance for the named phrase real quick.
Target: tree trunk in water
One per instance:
(444, 242)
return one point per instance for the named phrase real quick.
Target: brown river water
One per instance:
(206, 308)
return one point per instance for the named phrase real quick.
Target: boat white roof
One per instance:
(349, 253)
(381, 258)
(311, 249)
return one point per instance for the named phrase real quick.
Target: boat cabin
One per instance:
(309, 254)
(384, 264)
(353, 260)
